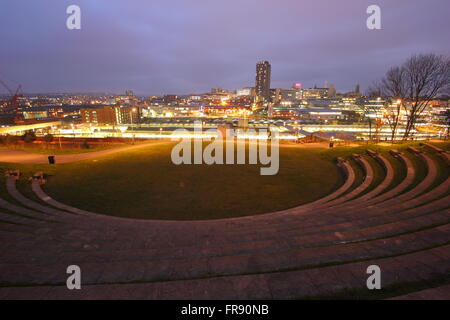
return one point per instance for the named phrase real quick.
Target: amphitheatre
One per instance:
(310, 232)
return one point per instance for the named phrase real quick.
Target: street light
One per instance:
(132, 111)
(73, 129)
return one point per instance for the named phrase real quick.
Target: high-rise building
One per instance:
(298, 90)
(262, 88)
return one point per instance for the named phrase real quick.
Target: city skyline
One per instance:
(190, 47)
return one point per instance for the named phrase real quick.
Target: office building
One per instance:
(110, 115)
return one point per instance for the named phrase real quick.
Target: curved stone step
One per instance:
(425, 203)
(371, 196)
(431, 193)
(14, 193)
(330, 280)
(272, 244)
(298, 213)
(442, 153)
(19, 220)
(368, 178)
(407, 181)
(25, 212)
(350, 205)
(421, 187)
(397, 204)
(321, 235)
(387, 181)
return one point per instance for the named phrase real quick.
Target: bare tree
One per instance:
(393, 86)
(414, 84)
(427, 76)
(374, 91)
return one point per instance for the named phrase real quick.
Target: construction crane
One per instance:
(13, 103)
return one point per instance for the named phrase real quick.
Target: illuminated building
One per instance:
(27, 115)
(110, 115)
(372, 107)
(226, 111)
(103, 115)
(262, 88)
(245, 92)
(315, 93)
(219, 90)
(284, 96)
(194, 97)
(170, 98)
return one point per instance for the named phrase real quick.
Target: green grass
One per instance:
(145, 184)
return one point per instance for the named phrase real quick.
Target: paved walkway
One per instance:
(21, 156)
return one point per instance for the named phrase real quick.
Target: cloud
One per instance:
(183, 46)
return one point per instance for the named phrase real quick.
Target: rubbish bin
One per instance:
(51, 159)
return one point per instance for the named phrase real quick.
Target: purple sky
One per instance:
(190, 46)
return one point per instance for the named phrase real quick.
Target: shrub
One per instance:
(29, 136)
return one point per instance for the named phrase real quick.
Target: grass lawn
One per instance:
(144, 184)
